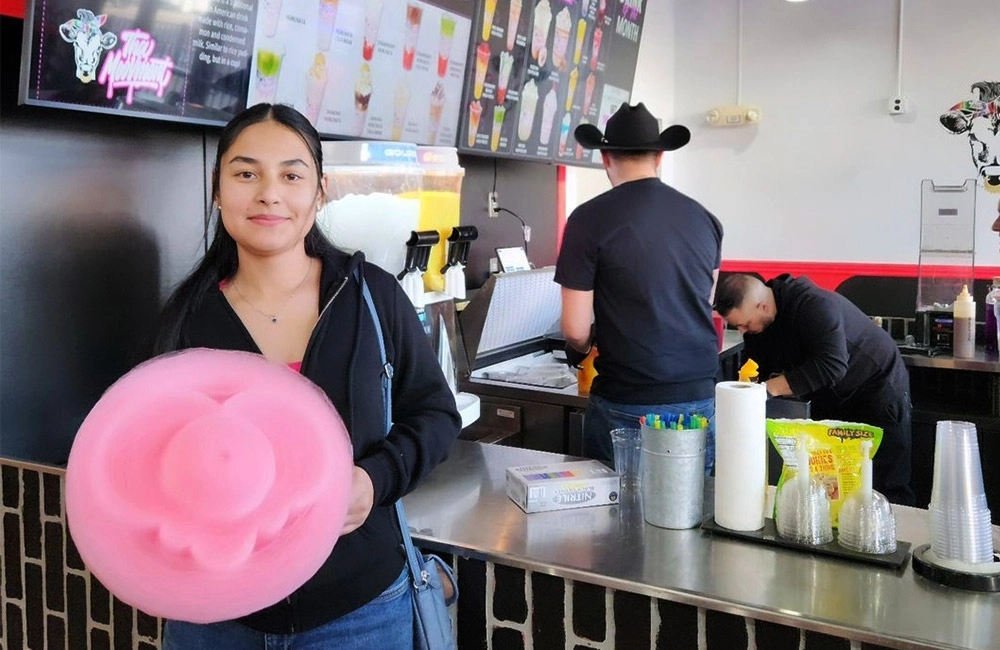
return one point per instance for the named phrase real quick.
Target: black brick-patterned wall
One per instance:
(51, 602)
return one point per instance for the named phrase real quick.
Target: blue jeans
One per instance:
(386, 622)
(603, 415)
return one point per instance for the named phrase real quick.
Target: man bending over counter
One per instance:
(817, 345)
(641, 261)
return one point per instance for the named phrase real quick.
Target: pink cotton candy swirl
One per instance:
(205, 485)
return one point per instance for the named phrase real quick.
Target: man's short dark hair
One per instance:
(732, 292)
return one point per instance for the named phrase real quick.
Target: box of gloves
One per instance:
(559, 486)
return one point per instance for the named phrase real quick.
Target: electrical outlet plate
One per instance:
(898, 105)
(736, 115)
(493, 205)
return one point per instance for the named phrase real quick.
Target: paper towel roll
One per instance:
(740, 455)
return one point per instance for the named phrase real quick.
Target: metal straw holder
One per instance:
(673, 476)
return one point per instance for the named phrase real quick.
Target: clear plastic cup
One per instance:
(627, 444)
(959, 518)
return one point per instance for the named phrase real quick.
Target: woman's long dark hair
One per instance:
(221, 260)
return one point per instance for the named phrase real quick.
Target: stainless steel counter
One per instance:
(980, 363)
(462, 509)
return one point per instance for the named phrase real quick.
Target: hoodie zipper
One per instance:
(319, 320)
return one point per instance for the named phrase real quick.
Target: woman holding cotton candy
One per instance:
(270, 283)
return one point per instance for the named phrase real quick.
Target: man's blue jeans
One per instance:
(603, 415)
(385, 623)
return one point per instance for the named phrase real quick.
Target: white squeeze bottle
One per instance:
(964, 313)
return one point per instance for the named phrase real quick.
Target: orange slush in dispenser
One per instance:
(440, 201)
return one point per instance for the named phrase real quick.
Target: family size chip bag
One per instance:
(835, 454)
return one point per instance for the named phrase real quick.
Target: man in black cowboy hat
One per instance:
(641, 262)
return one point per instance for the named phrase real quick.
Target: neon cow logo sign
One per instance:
(84, 33)
(133, 66)
(980, 118)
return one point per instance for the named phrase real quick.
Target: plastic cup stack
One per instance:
(958, 514)
(803, 506)
(867, 524)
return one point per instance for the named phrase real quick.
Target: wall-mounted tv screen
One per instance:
(538, 68)
(372, 69)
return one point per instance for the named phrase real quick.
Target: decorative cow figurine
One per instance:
(84, 32)
(980, 118)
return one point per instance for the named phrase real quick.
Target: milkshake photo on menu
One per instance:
(513, 22)
(362, 97)
(503, 76)
(482, 63)
(540, 32)
(437, 106)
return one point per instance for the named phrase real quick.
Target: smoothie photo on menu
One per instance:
(482, 62)
(475, 113)
(489, 8)
(414, 14)
(325, 23)
(266, 74)
(581, 33)
(400, 103)
(498, 114)
(444, 44)
(315, 87)
(373, 17)
(506, 64)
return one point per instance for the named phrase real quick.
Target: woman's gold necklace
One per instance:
(274, 317)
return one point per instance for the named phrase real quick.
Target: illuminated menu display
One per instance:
(538, 68)
(150, 59)
(371, 69)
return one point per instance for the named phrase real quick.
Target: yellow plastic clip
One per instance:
(748, 372)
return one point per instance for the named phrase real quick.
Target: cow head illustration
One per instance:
(84, 32)
(980, 118)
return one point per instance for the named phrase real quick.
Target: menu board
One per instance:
(153, 58)
(370, 69)
(539, 68)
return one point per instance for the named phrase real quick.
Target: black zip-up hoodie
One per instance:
(829, 350)
(342, 358)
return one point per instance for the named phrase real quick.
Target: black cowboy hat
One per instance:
(632, 128)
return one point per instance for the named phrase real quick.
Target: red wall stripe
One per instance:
(560, 204)
(13, 8)
(830, 275)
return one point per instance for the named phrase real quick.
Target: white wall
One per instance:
(828, 175)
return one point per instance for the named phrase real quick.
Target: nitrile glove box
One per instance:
(559, 486)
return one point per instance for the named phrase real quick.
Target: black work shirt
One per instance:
(647, 252)
(827, 348)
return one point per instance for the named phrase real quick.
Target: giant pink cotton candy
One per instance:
(205, 485)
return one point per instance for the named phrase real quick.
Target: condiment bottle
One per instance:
(991, 332)
(964, 337)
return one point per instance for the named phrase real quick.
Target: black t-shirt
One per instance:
(648, 253)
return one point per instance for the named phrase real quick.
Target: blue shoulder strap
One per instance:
(418, 575)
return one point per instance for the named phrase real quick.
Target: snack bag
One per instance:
(835, 454)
